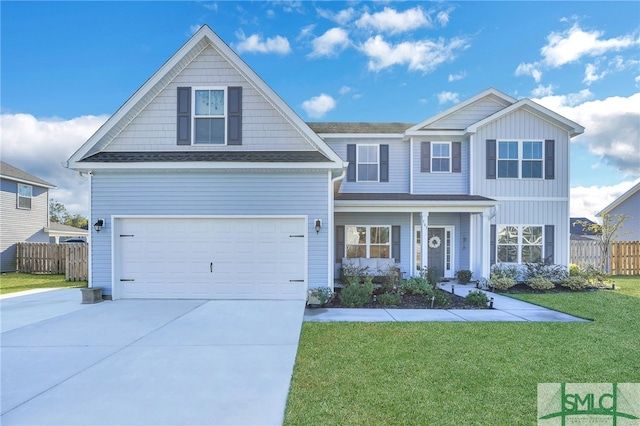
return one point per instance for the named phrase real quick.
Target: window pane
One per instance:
(532, 235)
(356, 234)
(368, 172)
(24, 190)
(531, 254)
(210, 130)
(532, 150)
(376, 251)
(508, 254)
(356, 251)
(508, 235)
(507, 169)
(440, 165)
(202, 102)
(532, 169)
(508, 150)
(209, 102)
(24, 202)
(379, 235)
(367, 154)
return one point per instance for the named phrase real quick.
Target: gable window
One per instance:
(520, 159)
(368, 163)
(440, 157)
(368, 241)
(209, 116)
(519, 244)
(25, 192)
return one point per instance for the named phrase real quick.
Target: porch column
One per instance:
(485, 252)
(424, 237)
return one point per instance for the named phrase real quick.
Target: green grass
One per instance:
(13, 282)
(462, 373)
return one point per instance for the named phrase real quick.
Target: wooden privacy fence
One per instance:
(69, 259)
(624, 256)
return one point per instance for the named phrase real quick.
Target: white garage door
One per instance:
(229, 258)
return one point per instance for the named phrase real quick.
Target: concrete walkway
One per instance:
(145, 362)
(504, 309)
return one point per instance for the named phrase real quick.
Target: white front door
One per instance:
(217, 258)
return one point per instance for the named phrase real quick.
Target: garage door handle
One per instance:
(126, 279)
(296, 281)
(211, 266)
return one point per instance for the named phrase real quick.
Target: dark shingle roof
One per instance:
(408, 197)
(9, 171)
(359, 127)
(212, 156)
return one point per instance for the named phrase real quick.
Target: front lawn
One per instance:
(13, 282)
(462, 373)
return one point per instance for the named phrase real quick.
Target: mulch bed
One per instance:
(523, 288)
(411, 302)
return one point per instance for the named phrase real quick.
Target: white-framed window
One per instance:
(520, 159)
(368, 241)
(440, 157)
(209, 115)
(520, 243)
(25, 193)
(368, 163)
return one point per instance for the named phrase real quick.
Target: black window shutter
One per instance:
(491, 158)
(549, 159)
(351, 158)
(184, 116)
(425, 156)
(549, 244)
(339, 243)
(395, 243)
(492, 245)
(234, 116)
(456, 157)
(384, 163)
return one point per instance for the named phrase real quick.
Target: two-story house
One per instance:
(206, 184)
(24, 200)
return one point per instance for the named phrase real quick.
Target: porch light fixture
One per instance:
(318, 225)
(98, 225)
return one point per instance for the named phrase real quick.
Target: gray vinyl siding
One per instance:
(263, 127)
(630, 230)
(398, 165)
(461, 230)
(203, 193)
(440, 183)
(521, 125)
(539, 213)
(20, 225)
(392, 219)
(471, 114)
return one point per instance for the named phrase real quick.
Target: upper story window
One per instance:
(519, 159)
(519, 244)
(440, 157)
(209, 116)
(25, 192)
(368, 163)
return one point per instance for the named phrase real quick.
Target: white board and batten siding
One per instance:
(223, 195)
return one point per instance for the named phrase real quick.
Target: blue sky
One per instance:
(67, 66)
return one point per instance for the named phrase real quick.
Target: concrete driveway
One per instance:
(146, 362)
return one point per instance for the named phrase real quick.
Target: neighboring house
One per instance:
(24, 200)
(628, 204)
(59, 233)
(208, 185)
(578, 230)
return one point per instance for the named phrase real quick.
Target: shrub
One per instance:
(430, 274)
(551, 272)
(390, 276)
(322, 294)
(574, 270)
(502, 283)
(502, 271)
(464, 276)
(389, 299)
(540, 283)
(575, 283)
(441, 298)
(416, 285)
(357, 295)
(352, 274)
(477, 298)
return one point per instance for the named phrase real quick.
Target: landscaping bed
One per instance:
(410, 301)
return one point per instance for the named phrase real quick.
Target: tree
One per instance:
(58, 214)
(607, 232)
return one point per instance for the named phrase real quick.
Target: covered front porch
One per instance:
(457, 230)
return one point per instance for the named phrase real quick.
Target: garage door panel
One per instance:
(212, 258)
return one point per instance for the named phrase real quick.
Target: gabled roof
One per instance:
(572, 127)
(621, 199)
(359, 128)
(202, 39)
(494, 94)
(7, 171)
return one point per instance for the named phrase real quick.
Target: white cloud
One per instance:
(341, 17)
(586, 201)
(344, 90)
(306, 32)
(530, 69)
(456, 77)
(572, 44)
(318, 106)
(448, 97)
(194, 29)
(255, 44)
(591, 74)
(331, 43)
(443, 18)
(612, 126)
(422, 55)
(542, 91)
(393, 22)
(40, 146)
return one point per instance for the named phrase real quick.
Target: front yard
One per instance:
(462, 373)
(13, 282)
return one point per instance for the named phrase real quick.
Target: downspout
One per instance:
(330, 216)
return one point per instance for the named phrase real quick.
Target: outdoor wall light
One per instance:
(318, 225)
(98, 225)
